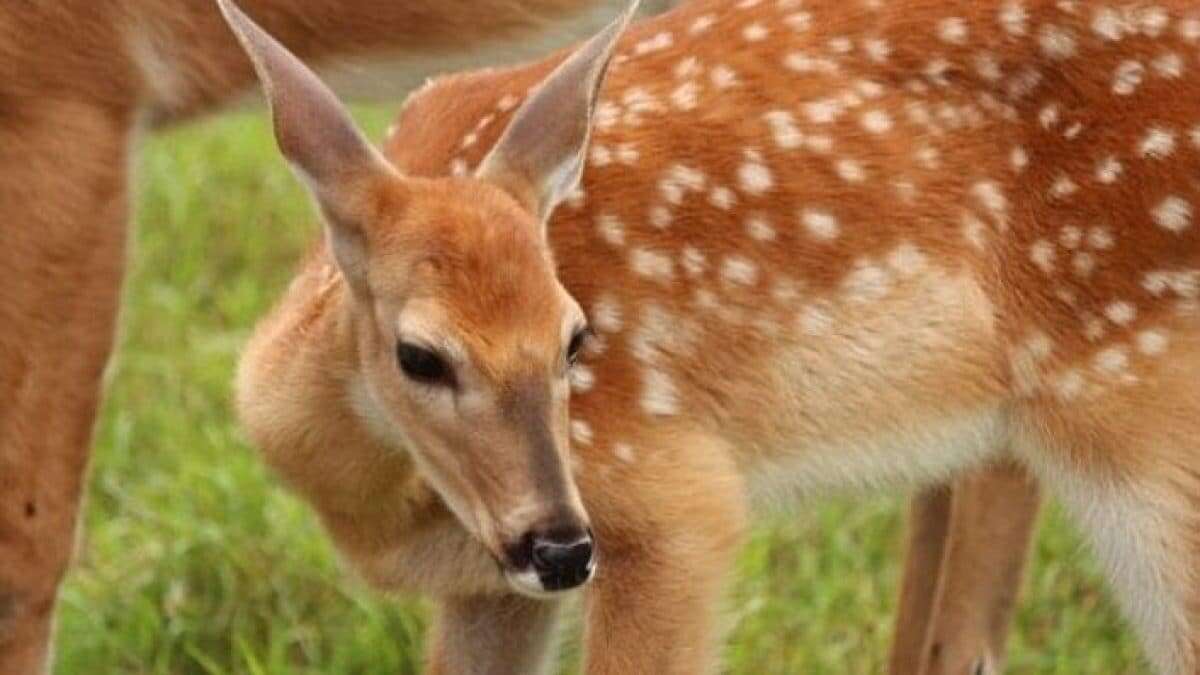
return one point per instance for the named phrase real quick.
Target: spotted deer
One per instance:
(580, 317)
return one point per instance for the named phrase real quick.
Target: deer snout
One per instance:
(552, 560)
(563, 563)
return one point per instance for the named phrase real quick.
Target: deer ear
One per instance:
(314, 131)
(540, 156)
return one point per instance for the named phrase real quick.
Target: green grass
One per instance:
(194, 560)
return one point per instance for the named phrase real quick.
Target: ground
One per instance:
(195, 560)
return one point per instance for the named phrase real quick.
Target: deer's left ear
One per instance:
(539, 159)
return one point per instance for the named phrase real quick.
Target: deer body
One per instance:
(819, 244)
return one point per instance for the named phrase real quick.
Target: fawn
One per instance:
(779, 246)
(80, 84)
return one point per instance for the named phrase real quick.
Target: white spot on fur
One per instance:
(1109, 24)
(1113, 360)
(988, 67)
(679, 181)
(1063, 187)
(824, 111)
(1100, 238)
(754, 177)
(600, 156)
(867, 282)
(755, 32)
(1128, 77)
(850, 170)
(658, 42)
(1109, 170)
(820, 224)
(878, 50)
(627, 154)
(660, 217)
(739, 270)
(1174, 214)
(799, 21)
(1049, 115)
(694, 262)
(1042, 254)
(722, 197)
(1152, 342)
(611, 229)
(1121, 312)
(1070, 237)
(952, 30)
(814, 321)
(1019, 158)
(1056, 42)
(1013, 18)
(686, 96)
(1158, 143)
(606, 315)
(1069, 385)
(723, 77)
(783, 129)
(877, 121)
(659, 394)
(652, 265)
(1169, 65)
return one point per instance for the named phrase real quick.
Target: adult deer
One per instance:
(816, 244)
(79, 81)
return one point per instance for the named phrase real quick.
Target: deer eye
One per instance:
(577, 342)
(422, 365)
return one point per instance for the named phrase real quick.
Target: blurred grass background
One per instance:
(194, 560)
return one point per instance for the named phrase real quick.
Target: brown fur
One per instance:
(916, 313)
(949, 273)
(78, 79)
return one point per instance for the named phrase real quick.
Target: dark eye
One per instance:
(422, 365)
(577, 342)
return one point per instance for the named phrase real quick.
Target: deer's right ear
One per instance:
(539, 158)
(342, 170)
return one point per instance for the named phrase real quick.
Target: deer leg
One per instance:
(992, 519)
(929, 523)
(63, 202)
(666, 551)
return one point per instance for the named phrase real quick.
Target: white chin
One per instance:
(526, 582)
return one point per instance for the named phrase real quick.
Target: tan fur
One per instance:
(77, 82)
(831, 243)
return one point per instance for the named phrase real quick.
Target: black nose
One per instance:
(563, 562)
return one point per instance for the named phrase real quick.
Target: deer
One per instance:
(81, 84)
(70, 122)
(578, 320)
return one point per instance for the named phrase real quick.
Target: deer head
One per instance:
(463, 334)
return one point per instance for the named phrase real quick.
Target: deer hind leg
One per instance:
(1125, 462)
(928, 527)
(992, 520)
(669, 521)
(494, 635)
(967, 551)
(63, 213)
